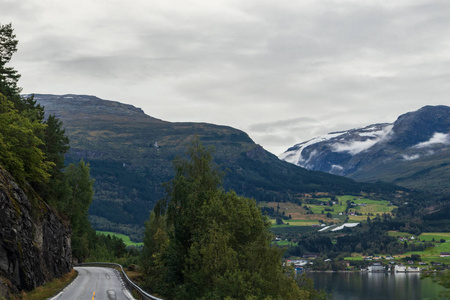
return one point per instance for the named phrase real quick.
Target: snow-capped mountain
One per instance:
(411, 151)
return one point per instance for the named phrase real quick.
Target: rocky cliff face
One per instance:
(34, 242)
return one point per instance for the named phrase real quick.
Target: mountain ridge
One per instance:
(130, 158)
(400, 152)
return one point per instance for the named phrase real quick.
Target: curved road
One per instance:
(95, 283)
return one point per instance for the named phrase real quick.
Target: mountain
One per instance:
(131, 154)
(34, 242)
(414, 151)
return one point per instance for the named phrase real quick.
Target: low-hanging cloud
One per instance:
(437, 138)
(360, 146)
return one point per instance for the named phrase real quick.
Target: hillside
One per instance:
(414, 151)
(131, 154)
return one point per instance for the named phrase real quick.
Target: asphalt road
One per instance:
(95, 283)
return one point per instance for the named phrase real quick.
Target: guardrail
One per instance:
(128, 282)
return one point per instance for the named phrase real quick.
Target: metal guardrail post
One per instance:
(141, 292)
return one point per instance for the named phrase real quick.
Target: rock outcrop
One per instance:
(34, 242)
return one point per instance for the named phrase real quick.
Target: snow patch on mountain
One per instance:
(294, 154)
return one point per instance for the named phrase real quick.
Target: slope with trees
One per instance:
(130, 155)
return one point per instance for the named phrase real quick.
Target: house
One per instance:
(399, 268)
(445, 254)
(412, 269)
(376, 267)
(297, 262)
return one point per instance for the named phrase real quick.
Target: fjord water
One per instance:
(372, 286)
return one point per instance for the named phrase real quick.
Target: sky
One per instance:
(282, 71)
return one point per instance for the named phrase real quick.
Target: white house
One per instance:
(400, 269)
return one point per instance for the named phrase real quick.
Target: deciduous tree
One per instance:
(212, 244)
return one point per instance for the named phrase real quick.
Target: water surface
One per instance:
(372, 286)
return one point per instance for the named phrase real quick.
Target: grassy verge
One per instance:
(123, 237)
(49, 289)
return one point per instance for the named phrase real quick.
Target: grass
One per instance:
(437, 236)
(292, 222)
(431, 254)
(49, 289)
(123, 237)
(433, 251)
(285, 243)
(425, 236)
(399, 233)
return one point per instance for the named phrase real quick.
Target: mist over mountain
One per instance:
(131, 154)
(414, 151)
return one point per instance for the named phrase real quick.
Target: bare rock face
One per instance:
(34, 241)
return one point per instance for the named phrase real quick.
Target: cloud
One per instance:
(356, 147)
(284, 72)
(437, 138)
(410, 157)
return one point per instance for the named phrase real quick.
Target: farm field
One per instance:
(425, 236)
(309, 214)
(429, 236)
(123, 237)
(429, 255)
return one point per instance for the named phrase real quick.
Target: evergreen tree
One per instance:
(8, 76)
(20, 151)
(75, 206)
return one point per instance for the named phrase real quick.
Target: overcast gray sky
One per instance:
(283, 71)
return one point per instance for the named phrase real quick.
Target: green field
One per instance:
(434, 251)
(303, 217)
(425, 236)
(437, 236)
(292, 222)
(431, 254)
(284, 243)
(123, 237)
